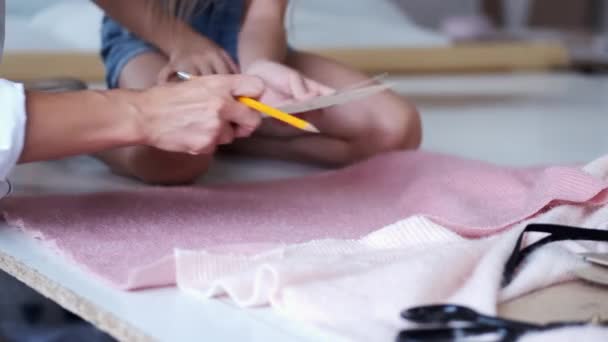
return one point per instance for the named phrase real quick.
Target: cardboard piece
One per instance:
(338, 98)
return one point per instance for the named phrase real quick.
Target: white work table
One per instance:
(509, 119)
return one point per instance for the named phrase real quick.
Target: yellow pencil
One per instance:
(268, 110)
(279, 115)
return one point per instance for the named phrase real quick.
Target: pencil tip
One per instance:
(311, 128)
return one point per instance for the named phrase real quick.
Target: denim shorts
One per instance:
(219, 21)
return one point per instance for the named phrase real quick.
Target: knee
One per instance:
(392, 129)
(167, 170)
(400, 131)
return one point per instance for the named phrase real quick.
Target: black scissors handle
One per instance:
(487, 333)
(556, 233)
(448, 322)
(456, 314)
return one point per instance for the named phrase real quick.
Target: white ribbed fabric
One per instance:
(205, 274)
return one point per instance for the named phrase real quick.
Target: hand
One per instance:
(198, 56)
(197, 115)
(285, 85)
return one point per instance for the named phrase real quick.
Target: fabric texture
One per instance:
(220, 21)
(12, 125)
(357, 288)
(143, 228)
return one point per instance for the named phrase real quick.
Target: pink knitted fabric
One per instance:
(128, 238)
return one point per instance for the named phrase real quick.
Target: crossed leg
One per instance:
(350, 132)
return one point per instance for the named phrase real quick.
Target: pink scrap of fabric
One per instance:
(128, 238)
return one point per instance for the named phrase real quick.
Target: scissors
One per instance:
(555, 233)
(448, 322)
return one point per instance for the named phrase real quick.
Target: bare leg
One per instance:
(350, 132)
(145, 163)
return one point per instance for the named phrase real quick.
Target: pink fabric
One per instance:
(357, 288)
(128, 238)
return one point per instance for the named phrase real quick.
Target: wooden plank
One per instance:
(459, 58)
(31, 66)
(71, 301)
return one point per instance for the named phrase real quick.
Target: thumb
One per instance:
(246, 85)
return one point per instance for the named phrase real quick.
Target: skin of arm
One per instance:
(64, 124)
(263, 35)
(188, 117)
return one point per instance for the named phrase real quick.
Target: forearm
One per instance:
(148, 20)
(263, 35)
(62, 124)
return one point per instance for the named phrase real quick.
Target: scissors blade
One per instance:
(334, 99)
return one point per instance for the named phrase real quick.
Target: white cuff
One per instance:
(12, 125)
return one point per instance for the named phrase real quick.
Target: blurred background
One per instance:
(73, 24)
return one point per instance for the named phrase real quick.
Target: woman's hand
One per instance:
(197, 56)
(197, 115)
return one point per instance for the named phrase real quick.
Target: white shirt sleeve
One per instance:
(12, 125)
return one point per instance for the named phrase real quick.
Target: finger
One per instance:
(298, 87)
(246, 85)
(234, 69)
(243, 132)
(205, 70)
(319, 89)
(241, 115)
(204, 67)
(165, 74)
(220, 67)
(209, 149)
(192, 142)
(226, 135)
